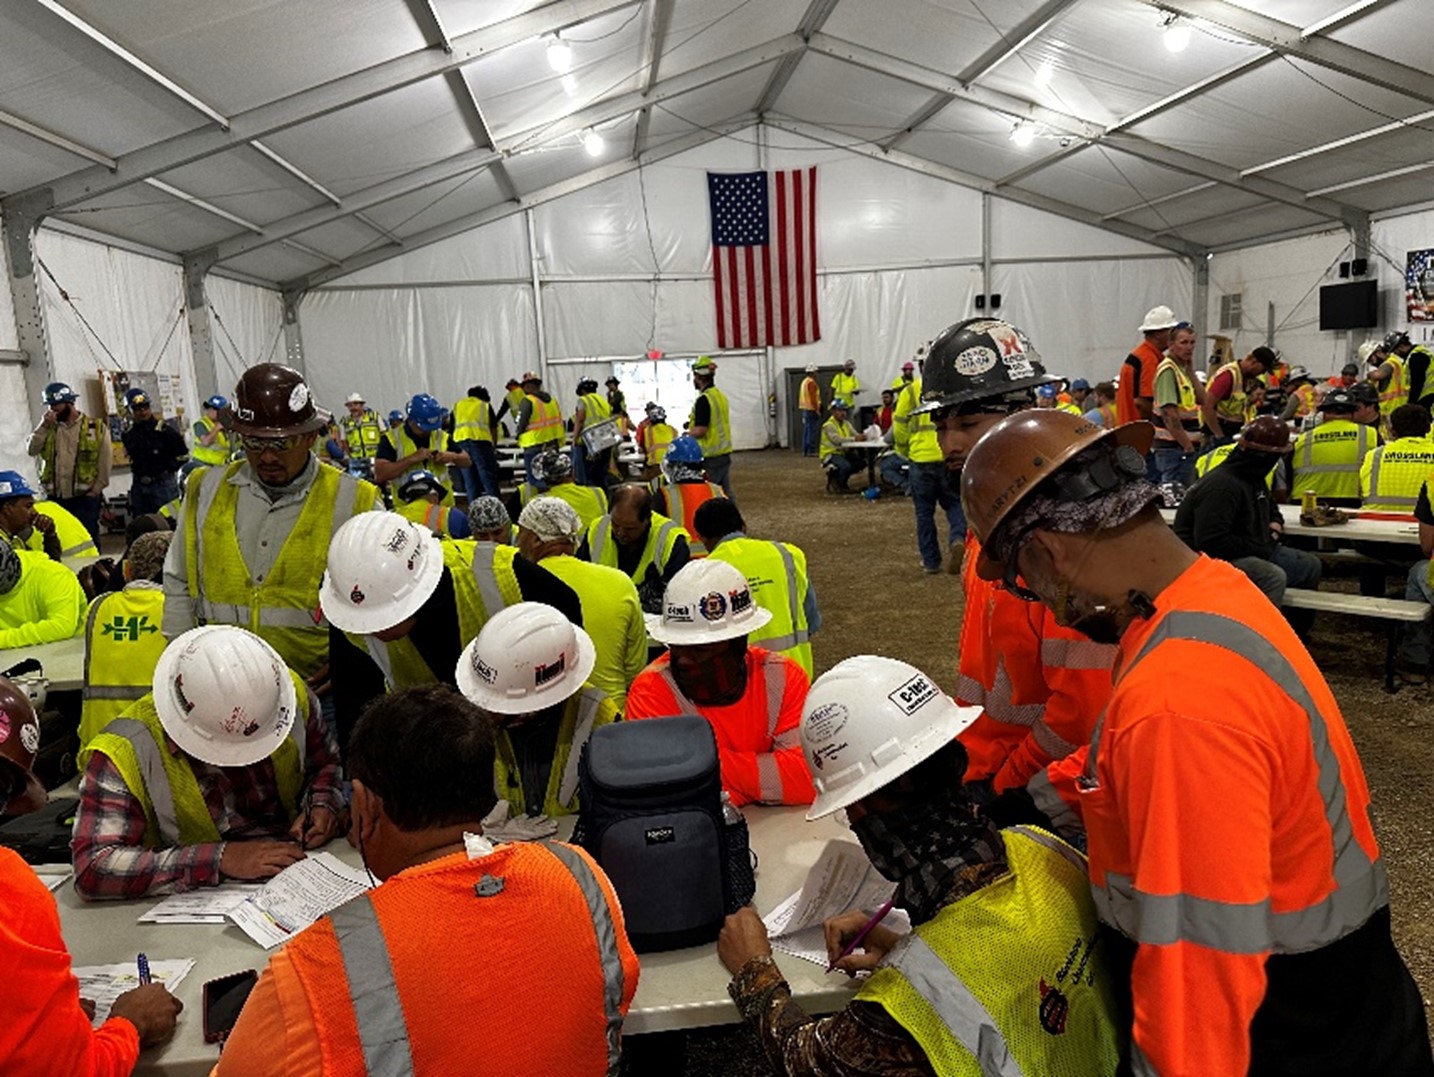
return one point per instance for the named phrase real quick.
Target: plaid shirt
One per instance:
(110, 854)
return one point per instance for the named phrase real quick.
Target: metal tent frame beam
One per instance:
(815, 17)
(658, 17)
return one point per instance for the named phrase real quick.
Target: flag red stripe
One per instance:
(815, 331)
(734, 299)
(717, 288)
(798, 249)
(751, 295)
(781, 264)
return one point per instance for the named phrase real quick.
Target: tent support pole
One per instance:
(22, 218)
(539, 332)
(293, 338)
(201, 329)
(1200, 301)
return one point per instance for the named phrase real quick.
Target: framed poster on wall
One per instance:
(1419, 286)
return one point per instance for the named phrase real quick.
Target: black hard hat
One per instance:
(1341, 399)
(979, 359)
(1363, 393)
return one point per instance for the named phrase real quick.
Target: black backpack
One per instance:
(652, 816)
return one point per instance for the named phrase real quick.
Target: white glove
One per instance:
(499, 825)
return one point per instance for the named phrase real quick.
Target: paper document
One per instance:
(840, 880)
(53, 876)
(211, 905)
(102, 984)
(296, 897)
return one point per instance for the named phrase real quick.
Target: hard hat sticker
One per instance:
(30, 737)
(545, 673)
(4, 727)
(827, 721)
(678, 614)
(299, 397)
(356, 596)
(975, 361)
(483, 671)
(914, 694)
(712, 605)
(740, 600)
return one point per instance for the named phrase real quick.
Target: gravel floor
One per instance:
(875, 599)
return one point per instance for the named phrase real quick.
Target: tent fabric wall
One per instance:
(248, 327)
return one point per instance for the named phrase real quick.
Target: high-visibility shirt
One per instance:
(48, 603)
(1328, 458)
(595, 408)
(165, 784)
(588, 709)
(1217, 456)
(900, 382)
(1187, 406)
(1390, 477)
(662, 536)
(1039, 992)
(75, 540)
(404, 445)
(283, 607)
(1233, 407)
(834, 432)
(845, 386)
(757, 741)
(1069, 408)
(217, 451)
(683, 499)
(424, 513)
(362, 435)
(123, 643)
(718, 439)
(385, 984)
(776, 572)
(87, 456)
(1137, 380)
(809, 396)
(545, 424)
(589, 502)
(1040, 686)
(472, 420)
(1305, 394)
(612, 616)
(1229, 825)
(1394, 392)
(915, 435)
(658, 436)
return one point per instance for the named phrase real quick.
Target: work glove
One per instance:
(500, 825)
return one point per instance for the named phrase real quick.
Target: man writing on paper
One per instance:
(1002, 973)
(225, 771)
(447, 896)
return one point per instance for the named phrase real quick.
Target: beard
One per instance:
(1097, 622)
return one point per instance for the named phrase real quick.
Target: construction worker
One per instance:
(530, 672)
(809, 403)
(1080, 395)
(646, 545)
(540, 423)
(1328, 458)
(1301, 397)
(1041, 685)
(420, 499)
(548, 535)
(710, 422)
(617, 402)
(1001, 916)
(362, 431)
(211, 442)
(685, 488)
(75, 456)
(1178, 396)
(846, 385)
(418, 443)
(41, 601)
(1391, 374)
(474, 430)
(225, 770)
(418, 817)
(838, 462)
(42, 526)
(552, 476)
(488, 520)
(1137, 373)
(1392, 474)
(915, 440)
(253, 535)
(654, 436)
(750, 696)
(1416, 359)
(592, 408)
(1231, 843)
(1103, 413)
(123, 640)
(156, 453)
(777, 574)
(905, 378)
(1226, 403)
(512, 400)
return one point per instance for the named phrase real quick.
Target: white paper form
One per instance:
(102, 984)
(53, 876)
(296, 897)
(840, 880)
(211, 905)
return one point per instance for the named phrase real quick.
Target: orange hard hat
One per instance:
(273, 400)
(20, 791)
(1020, 452)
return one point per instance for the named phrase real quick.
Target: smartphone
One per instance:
(223, 999)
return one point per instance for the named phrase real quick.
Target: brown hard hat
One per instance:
(1266, 434)
(20, 791)
(1017, 454)
(272, 400)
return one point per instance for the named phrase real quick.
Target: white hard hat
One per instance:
(224, 695)
(527, 657)
(867, 721)
(382, 568)
(1159, 318)
(706, 602)
(811, 368)
(1367, 349)
(354, 398)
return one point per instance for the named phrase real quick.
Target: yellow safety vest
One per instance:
(404, 445)
(1189, 408)
(75, 541)
(589, 709)
(362, 435)
(589, 502)
(1234, 406)
(283, 610)
(123, 643)
(472, 420)
(777, 574)
(657, 437)
(915, 435)
(1069, 408)
(662, 536)
(595, 408)
(424, 513)
(87, 456)
(1305, 394)
(1391, 475)
(1107, 416)
(164, 782)
(1218, 455)
(545, 424)
(845, 385)
(1328, 458)
(210, 455)
(718, 439)
(1395, 392)
(1036, 997)
(833, 434)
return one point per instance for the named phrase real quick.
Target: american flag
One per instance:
(764, 254)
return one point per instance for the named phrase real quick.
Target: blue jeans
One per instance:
(929, 489)
(1414, 647)
(1172, 464)
(719, 470)
(1284, 568)
(86, 509)
(482, 477)
(811, 432)
(841, 466)
(889, 468)
(146, 498)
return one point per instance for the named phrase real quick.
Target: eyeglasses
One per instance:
(276, 445)
(1010, 576)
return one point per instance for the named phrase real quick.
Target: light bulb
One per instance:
(560, 55)
(1177, 35)
(1044, 74)
(593, 143)
(1023, 134)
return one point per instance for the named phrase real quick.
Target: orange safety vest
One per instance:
(757, 738)
(683, 501)
(1041, 687)
(412, 943)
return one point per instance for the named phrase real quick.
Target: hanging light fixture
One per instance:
(1177, 34)
(1023, 134)
(593, 143)
(1044, 74)
(560, 55)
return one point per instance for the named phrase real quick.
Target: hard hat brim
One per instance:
(368, 620)
(676, 634)
(316, 422)
(991, 392)
(482, 695)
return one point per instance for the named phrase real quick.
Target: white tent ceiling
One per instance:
(300, 141)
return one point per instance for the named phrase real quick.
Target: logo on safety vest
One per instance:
(1055, 1009)
(129, 629)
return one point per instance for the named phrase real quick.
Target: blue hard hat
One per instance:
(425, 413)
(135, 397)
(1047, 391)
(13, 484)
(419, 484)
(840, 402)
(57, 392)
(217, 402)
(1080, 383)
(395, 417)
(684, 450)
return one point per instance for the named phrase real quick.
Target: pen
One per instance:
(308, 818)
(143, 962)
(861, 935)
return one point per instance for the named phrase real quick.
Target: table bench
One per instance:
(1394, 612)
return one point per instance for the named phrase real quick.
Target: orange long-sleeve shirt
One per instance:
(44, 1033)
(756, 736)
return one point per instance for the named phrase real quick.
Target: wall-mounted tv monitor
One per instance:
(1349, 306)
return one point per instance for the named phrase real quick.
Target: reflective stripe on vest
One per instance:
(212, 454)
(75, 540)
(87, 457)
(833, 434)
(1394, 392)
(589, 703)
(657, 438)
(999, 706)
(1233, 406)
(718, 439)
(1361, 886)
(472, 420)
(486, 579)
(362, 435)
(682, 508)
(1314, 472)
(1403, 466)
(131, 642)
(404, 445)
(545, 423)
(373, 991)
(656, 551)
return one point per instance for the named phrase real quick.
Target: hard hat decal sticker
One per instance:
(483, 671)
(975, 361)
(356, 596)
(397, 542)
(299, 397)
(740, 600)
(30, 737)
(913, 695)
(245, 414)
(826, 721)
(678, 614)
(4, 727)
(184, 703)
(821, 754)
(5, 488)
(712, 606)
(543, 674)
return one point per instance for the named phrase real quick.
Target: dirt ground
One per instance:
(875, 599)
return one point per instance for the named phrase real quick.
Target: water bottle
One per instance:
(738, 869)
